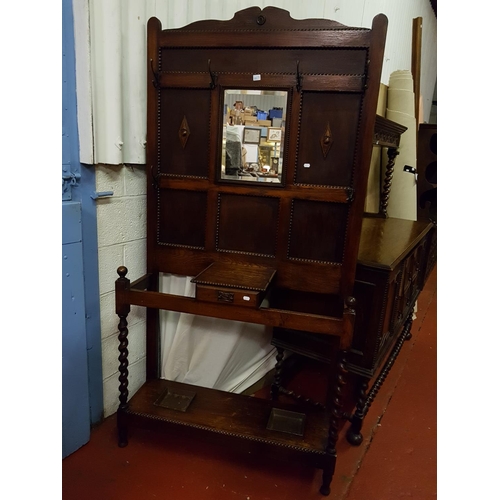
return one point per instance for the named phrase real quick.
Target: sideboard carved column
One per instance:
(387, 134)
(389, 174)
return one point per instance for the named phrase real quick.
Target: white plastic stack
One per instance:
(401, 109)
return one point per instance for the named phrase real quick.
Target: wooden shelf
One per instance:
(227, 414)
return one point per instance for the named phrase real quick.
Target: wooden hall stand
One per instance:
(281, 253)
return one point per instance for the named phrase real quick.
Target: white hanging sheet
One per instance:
(211, 352)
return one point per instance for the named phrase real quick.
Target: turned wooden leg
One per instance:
(123, 378)
(408, 325)
(122, 309)
(275, 386)
(335, 418)
(328, 476)
(354, 435)
(122, 429)
(383, 374)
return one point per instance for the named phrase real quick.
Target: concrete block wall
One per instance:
(121, 234)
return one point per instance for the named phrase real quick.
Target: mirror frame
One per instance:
(285, 139)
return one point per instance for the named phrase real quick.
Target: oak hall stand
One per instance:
(271, 242)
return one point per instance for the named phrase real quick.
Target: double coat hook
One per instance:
(213, 77)
(298, 78)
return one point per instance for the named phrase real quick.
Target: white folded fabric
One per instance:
(211, 352)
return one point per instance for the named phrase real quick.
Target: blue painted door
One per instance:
(82, 403)
(75, 389)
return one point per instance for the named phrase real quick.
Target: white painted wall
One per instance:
(121, 233)
(111, 79)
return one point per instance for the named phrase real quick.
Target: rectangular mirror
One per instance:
(253, 135)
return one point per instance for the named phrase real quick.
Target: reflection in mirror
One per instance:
(253, 135)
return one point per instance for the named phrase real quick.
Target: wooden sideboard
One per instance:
(394, 261)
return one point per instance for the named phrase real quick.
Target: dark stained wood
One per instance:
(177, 106)
(387, 132)
(303, 234)
(309, 192)
(234, 284)
(388, 175)
(316, 276)
(247, 224)
(326, 38)
(180, 223)
(395, 259)
(363, 152)
(223, 412)
(339, 176)
(262, 20)
(243, 276)
(385, 242)
(285, 318)
(416, 63)
(281, 64)
(427, 172)
(341, 113)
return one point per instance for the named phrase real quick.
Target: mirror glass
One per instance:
(253, 135)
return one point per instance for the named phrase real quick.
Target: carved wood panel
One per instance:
(184, 138)
(328, 133)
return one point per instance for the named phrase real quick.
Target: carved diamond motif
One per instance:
(184, 132)
(326, 140)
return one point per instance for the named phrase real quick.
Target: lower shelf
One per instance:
(242, 419)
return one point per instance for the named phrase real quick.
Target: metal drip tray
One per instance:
(178, 400)
(290, 422)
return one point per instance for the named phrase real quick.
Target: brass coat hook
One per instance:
(156, 81)
(298, 78)
(213, 77)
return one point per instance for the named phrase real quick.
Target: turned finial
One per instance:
(122, 271)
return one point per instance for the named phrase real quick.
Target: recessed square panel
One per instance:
(317, 231)
(184, 132)
(182, 218)
(247, 224)
(327, 141)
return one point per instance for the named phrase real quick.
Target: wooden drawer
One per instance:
(248, 298)
(232, 283)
